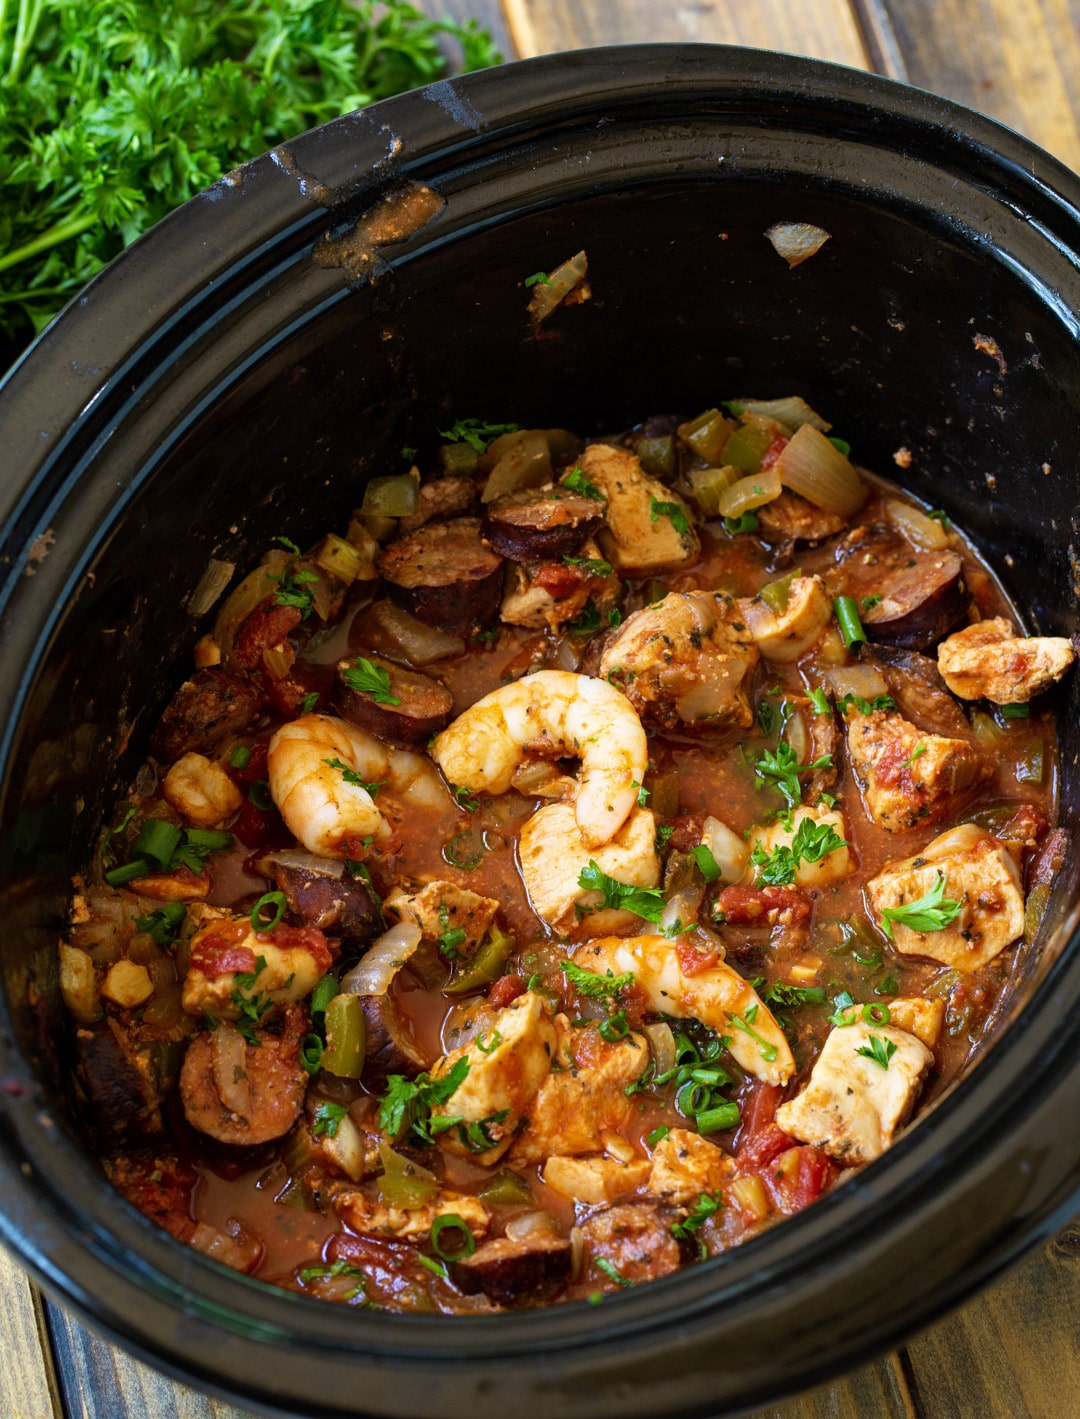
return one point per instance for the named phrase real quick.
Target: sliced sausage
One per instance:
(920, 693)
(507, 1271)
(205, 709)
(390, 1046)
(635, 1237)
(919, 604)
(793, 518)
(542, 524)
(423, 705)
(240, 1093)
(265, 626)
(336, 903)
(125, 1104)
(444, 576)
(440, 499)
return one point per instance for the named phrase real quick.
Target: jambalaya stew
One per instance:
(598, 853)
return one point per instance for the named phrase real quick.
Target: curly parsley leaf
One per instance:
(675, 511)
(577, 480)
(406, 1106)
(593, 985)
(368, 679)
(328, 1119)
(476, 433)
(781, 770)
(879, 702)
(646, 902)
(931, 912)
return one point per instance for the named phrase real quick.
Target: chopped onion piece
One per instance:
(866, 681)
(682, 907)
(393, 632)
(729, 851)
(615, 1146)
(916, 526)
(549, 294)
(798, 736)
(815, 468)
(230, 1071)
(568, 656)
(959, 839)
(211, 584)
(395, 496)
(279, 660)
(792, 411)
(524, 462)
(749, 493)
(346, 1149)
(382, 961)
(531, 1224)
(797, 241)
(661, 1047)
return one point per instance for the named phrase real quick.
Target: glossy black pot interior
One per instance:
(218, 387)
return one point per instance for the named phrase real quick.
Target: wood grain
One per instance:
(825, 29)
(29, 1386)
(1017, 60)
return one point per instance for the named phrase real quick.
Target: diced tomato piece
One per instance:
(301, 938)
(260, 828)
(219, 953)
(760, 1140)
(289, 694)
(692, 959)
(505, 990)
(746, 906)
(558, 581)
(798, 1177)
(686, 831)
(773, 452)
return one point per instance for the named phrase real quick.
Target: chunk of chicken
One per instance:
(202, 791)
(784, 636)
(365, 1213)
(442, 908)
(553, 856)
(919, 1016)
(716, 995)
(595, 1180)
(831, 867)
(503, 1079)
(685, 664)
(577, 1105)
(989, 661)
(908, 776)
(979, 873)
(234, 970)
(853, 1106)
(684, 1165)
(546, 595)
(639, 537)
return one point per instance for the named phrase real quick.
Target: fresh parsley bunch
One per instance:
(112, 114)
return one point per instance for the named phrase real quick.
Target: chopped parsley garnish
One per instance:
(592, 566)
(593, 985)
(708, 1204)
(369, 679)
(307, 704)
(889, 986)
(489, 1046)
(920, 750)
(251, 1007)
(406, 1106)
(291, 583)
(879, 702)
(662, 836)
(538, 278)
(842, 1007)
(476, 433)
(781, 770)
(577, 480)
(869, 602)
(463, 799)
(328, 1118)
(931, 912)
(675, 511)
(452, 936)
(820, 700)
(646, 902)
(785, 995)
(351, 776)
(745, 1023)
(611, 1271)
(477, 1136)
(586, 623)
(163, 924)
(879, 1050)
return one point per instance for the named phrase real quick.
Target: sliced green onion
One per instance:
(464, 850)
(692, 1098)
(706, 862)
(717, 1119)
(275, 902)
(311, 1051)
(847, 615)
(653, 1138)
(465, 1244)
(259, 795)
(1014, 711)
(208, 839)
(240, 757)
(324, 992)
(117, 876)
(876, 1014)
(615, 1027)
(157, 839)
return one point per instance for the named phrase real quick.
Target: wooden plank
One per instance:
(101, 1382)
(826, 29)
(1017, 60)
(28, 1381)
(877, 1391)
(1011, 1351)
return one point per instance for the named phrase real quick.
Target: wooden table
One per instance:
(1013, 1351)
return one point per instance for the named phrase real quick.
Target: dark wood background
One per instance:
(1012, 1353)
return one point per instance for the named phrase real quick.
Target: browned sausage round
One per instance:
(542, 524)
(635, 1237)
(509, 1271)
(390, 1047)
(266, 625)
(206, 708)
(335, 903)
(265, 1083)
(920, 603)
(444, 576)
(423, 705)
(793, 518)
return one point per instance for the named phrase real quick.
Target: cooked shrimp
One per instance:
(321, 806)
(714, 994)
(202, 791)
(559, 715)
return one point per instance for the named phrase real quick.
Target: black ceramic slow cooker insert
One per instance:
(246, 366)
